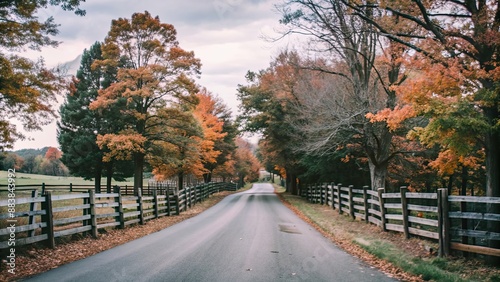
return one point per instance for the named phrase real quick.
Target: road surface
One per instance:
(249, 236)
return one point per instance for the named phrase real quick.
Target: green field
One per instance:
(37, 179)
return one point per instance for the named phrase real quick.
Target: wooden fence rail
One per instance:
(26, 222)
(457, 222)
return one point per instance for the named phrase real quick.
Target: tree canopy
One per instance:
(157, 75)
(27, 88)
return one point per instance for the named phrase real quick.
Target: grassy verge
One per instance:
(408, 260)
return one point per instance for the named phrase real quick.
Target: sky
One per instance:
(228, 36)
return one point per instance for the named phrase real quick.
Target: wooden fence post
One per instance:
(332, 187)
(167, 198)
(322, 194)
(87, 222)
(404, 208)
(351, 202)
(443, 223)
(71, 187)
(177, 208)
(140, 206)
(382, 208)
(309, 192)
(365, 203)
(32, 218)
(49, 219)
(312, 197)
(93, 218)
(196, 200)
(43, 188)
(119, 208)
(339, 192)
(190, 196)
(155, 203)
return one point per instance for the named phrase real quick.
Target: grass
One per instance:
(38, 179)
(435, 269)
(346, 231)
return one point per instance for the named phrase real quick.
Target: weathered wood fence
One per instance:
(42, 218)
(458, 222)
(161, 188)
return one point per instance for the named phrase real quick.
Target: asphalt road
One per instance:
(249, 236)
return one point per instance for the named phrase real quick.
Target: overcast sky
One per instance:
(225, 34)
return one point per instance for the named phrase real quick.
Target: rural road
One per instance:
(249, 236)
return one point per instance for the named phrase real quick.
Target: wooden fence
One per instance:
(460, 223)
(42, 218)
(160, 187)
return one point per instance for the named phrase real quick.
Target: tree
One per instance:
(29, 165)
(212, 114)
(180, 150)
(79, 126)
(52, 165)
(27, 88)
(460, 39)
(348, 48)
(246, 164)
(266, 108)
(12, 161)
(157, 74)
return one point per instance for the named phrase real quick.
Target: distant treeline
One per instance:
(38, 161)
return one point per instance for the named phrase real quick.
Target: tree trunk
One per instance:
(493, 165)
(291, 183)
(180, 182)
(138, 171)
(109, 176)
(378, 174)
(492, 184)
(207, 177)
(97, 178)
(241, 181)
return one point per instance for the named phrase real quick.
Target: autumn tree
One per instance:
(52, 165)
(157, 73)
(215, 120)
(179, 151)
(247, 165)
(79, 126)
(12, 161)
(224, 165)
(27, 88)
(459, 42)
(346, 49)
(266, 108)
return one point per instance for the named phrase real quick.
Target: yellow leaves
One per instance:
(121, 146)
(393, 118)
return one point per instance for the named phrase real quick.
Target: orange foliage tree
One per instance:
(27, 88)
(179, 151)
(154, 74)
(457, 60)
(247, 165)
(212, 126)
